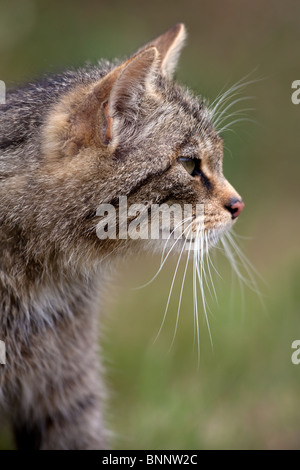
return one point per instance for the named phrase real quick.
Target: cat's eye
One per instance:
(191, 165)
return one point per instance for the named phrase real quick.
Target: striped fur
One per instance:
(67, 144)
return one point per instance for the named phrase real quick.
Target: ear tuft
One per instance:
(169, 46)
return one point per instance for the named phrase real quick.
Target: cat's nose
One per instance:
(235, 207)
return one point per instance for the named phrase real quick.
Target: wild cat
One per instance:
(69, 143)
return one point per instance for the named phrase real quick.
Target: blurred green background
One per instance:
(245, 393)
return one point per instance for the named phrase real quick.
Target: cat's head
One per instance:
(135, 133)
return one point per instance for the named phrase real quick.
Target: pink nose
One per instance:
(235, 207)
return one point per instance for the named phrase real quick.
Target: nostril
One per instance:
(235, 207)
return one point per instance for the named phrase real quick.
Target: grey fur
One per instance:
(59, 159)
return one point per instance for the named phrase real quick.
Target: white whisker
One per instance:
(196, 319)
(164, 259)
(208, 259)
(180, 295)
(229, 106)
(235, 121)
(201, 275)
(241, 112)
(225, 101)
(249, 268)
(172, 284)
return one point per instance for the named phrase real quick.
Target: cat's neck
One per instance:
(48, 298)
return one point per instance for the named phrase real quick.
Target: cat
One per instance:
(69, 143)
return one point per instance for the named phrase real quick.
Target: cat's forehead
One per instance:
(206, 139)
(199, 138)
(193, 113)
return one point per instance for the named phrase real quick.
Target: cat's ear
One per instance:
(105, 112)
(121, 92)
(169, 46)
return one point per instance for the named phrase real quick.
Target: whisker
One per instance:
(180, 295)
(208, 268)
(200, 275)
(236, 270)
(233, 261)
(227, 96)
(172, 285)
(229, 106)
(243, 256)
(164, 259)
(241, 112)
(225, 101)
(195, 298)
(249, 268)
(231, 91)
(207, 278)
(227, 126)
